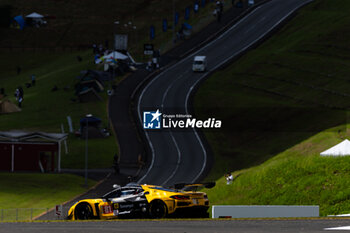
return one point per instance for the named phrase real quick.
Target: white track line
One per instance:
(158, 76)
(217, 66)
(344, 228)
(188, 94)
(178, 160)
(171, 134)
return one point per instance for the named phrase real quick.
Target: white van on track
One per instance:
(199, 63)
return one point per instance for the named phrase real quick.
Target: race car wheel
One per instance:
(158, 209)
(83, 211)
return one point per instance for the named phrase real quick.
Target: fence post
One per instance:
(31, 214)
(2, 215)
(16, 214)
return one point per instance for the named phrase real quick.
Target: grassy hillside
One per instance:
(49, 190)
(297, 176)
(281, 105)
(45, 110)
(50, 53)
(19, 191)
(85, 23)
(54, 65)
(82, 23)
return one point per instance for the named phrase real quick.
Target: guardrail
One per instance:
(264, 211)
(28, 214)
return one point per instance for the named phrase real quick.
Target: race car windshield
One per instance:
(112, 194)
(127, 192)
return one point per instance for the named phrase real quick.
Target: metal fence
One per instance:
(45, 49)
(28, 214)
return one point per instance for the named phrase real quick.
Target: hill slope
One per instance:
(273, 101)
(82, 23)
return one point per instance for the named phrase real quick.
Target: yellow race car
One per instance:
(145, 201)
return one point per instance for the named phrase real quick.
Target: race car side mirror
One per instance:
(116, 186)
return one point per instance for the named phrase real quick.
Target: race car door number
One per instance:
(107, 209)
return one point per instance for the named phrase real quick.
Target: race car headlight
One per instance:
(180, 197)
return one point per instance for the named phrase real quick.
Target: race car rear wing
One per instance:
(193, 186)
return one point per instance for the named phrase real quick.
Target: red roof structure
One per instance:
(31, 151)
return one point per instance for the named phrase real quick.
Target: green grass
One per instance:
(46, 53)
(19, 191)
(91, 22)
(44, 110)
(281, 105)
(297, 176)
(23, 199)
(100, 153)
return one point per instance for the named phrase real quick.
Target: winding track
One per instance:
(180, 226)
(180, 156)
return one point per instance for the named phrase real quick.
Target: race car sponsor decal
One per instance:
(126, 206)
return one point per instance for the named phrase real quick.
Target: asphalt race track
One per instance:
(180, 156)
(188, 226)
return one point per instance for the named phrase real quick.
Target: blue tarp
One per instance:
(152, 33)
(90, 120)
(94, 130)
(20, 20)
(165, 25)
(176, 18)
(187, 26)
(187, 13)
